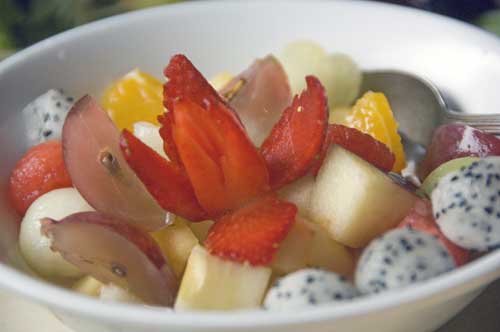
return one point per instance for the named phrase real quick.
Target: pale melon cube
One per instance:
(176, 242)
(299, 193)
(211, 283)
(354, 201)
(293, 252)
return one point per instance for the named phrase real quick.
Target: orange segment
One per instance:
(137, 96)
(372, 114)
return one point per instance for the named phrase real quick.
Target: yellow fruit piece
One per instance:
(372, 114)
(220, 80)
(176, 242)
(137, 96)
(88, 286)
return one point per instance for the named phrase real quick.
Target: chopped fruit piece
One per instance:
(299, 193)
(421, 219)
(34, 247)
(293, 252)
(176, 242)
(220, 80)
(224, 167)
(88, 286)
(39, 171)
(259, 95)
(454, 141)
(338, 72)
(372, 115)
(354, 201)
(113, 293)
(211, 283)
(113, 251)
(359, 143)
(326, 253)
(253, 233)
(433, 178)
(137, 96)
(100, 173)
(296, 139)
(168, 184)
(149, 134)
(339, 115)
(200, 229)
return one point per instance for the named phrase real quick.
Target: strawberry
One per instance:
(421, 219)
(168, 184)
(39, 171)
(359, 143)
(297, 138)
(252, 233)
(224, 167)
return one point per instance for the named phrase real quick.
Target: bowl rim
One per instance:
(476, 274)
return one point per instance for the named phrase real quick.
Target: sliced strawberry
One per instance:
(421, 218)
(224, 167)
(253, 233)
(169, 147)
(39, 171)
(359, 143)
(168, 184)
(297, 138)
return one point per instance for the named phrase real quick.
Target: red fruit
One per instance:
(297, 138)
(359, 143)
(111, 250)
(99, 171)
(454, 141)
(253, 233)
(224, 167)
(421, 219)
(39, 171)
(168, 184)
(259, 95)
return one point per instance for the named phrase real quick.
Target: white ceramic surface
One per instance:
(462, 60)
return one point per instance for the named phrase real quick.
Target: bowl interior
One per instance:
(223, 36)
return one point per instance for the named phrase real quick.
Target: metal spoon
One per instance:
(419, 108)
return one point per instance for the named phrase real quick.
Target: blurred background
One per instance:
(24, 22)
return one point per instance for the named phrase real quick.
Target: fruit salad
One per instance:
(277, 188)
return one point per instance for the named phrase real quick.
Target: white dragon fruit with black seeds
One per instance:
(466, 205)
(399, 258)
(307, 288)
(44, 117)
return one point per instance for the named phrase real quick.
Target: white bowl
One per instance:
(460, 59)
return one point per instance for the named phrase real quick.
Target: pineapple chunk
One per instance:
(326, 253)
(176, 242)
(354, 201)
(294, 250)
(88, 286)
(200, 229)
(299, 193)
(211, 283)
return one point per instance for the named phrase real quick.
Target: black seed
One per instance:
(69, 99)
(443, 211)
(413, 277)
(474, 224)
(310, 279)
(468, 208)
(497, 177)
(312, 300)
(462, 203)
(498, 215)
(437, 215)
(473, 165)
(388, 246)
(493, 199)
(468, 174)
(458, 195)
(478, 176)
(451, 206)
(288, 295)
(463, 168)
(383, 272)
(388, 260)
(421, 266)
(58, 104)
(342, 278)
(488, 210)
(474, 195)
(488, 228)
(444, 254)
(455, 178)
(47, 133)
(420, 242)
(56, 118)
(488, 182)
(338, 296)
(498, 193)
(46, 117)
(277, 283)
(487, 239)
(489, 166)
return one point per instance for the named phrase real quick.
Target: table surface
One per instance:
(482, 315)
